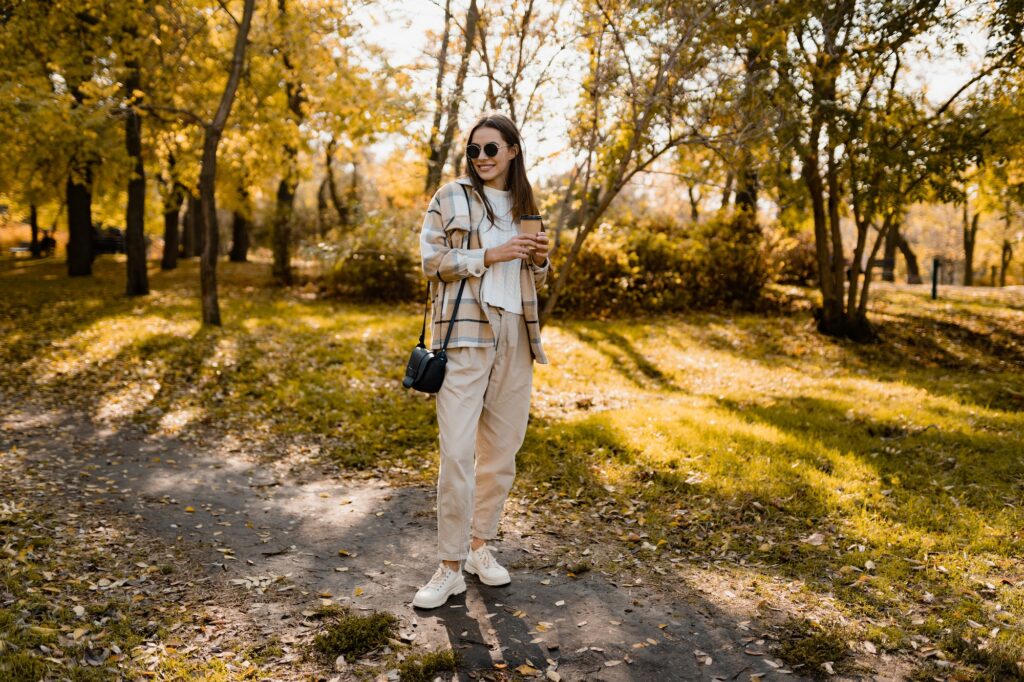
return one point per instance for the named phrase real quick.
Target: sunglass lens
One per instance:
(473, 151)
(491, 149)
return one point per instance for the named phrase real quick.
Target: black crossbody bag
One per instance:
(425, 369)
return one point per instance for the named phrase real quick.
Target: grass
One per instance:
(43, 581)
(813, 646)
(427, 666)
(885, 478)
(353, 635)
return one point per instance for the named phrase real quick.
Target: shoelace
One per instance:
(485, 556)
(439, 577)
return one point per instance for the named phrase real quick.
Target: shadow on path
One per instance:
(370, 546)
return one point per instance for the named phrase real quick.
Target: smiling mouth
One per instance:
(484, 166)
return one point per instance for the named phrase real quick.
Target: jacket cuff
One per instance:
(539, 268)
(475, 262)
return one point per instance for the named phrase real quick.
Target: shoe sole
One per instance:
(454, 593)
(480, 578)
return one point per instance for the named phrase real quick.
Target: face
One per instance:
(492, 170)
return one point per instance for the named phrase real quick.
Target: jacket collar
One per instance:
(464, 180)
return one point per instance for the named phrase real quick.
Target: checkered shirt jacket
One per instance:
(451, 251)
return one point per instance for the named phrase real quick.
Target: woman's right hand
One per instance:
(520, 246)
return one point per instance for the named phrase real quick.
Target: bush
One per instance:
(794, 259)
(370, 274)
(718, 263)
(376, 261)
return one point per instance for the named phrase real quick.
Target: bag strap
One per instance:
(455, 312)
(426, 307)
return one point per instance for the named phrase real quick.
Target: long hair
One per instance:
(518, 184)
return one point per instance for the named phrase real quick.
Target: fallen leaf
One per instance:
(815, 539)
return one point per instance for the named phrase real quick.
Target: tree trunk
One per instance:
(188, 233)
(352, 196)
(892, 238)
(33, 223)
(135, 213)
(590, 221)
(195, 228)
(1005, 258)
(434, 168)
(694, 204)
(208, 174)
(281, 233)
(332, 187)
(830, 315)
(970, 229)
(321, 209)
(172, 213)
(913, 270)
(727, 191)
(747, 173)
(80, 240)
(239, 238)
(208, 258)
(281, 227)
(452, 119)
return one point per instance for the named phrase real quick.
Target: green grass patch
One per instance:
(354, 635)
(810, 647)
(426, 666)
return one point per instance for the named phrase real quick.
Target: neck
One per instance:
(499, 182)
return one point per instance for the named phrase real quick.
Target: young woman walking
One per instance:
(471, 234)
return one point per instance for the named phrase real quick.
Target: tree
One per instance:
(135, 211)
(841, 86)
(62, 97)
(440, 141)
(647, 90)
(208, 175)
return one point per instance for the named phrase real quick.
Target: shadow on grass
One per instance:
(624, 357)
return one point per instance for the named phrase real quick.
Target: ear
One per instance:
(515, 150)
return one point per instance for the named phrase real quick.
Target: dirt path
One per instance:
(276, 540)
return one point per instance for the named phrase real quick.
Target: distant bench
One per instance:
(26, 247)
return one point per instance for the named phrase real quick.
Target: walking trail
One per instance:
(268, 539)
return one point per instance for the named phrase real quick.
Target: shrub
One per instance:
(731, 265)
(371, 274)
(794, 259)
(718, 263)
(376, 261)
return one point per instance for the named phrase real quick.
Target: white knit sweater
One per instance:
(500, 285)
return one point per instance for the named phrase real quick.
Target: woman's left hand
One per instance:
(540, 252)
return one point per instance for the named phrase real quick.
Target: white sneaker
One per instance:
(483, 565)
(444, 584)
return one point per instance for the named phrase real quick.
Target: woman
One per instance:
(471, 234)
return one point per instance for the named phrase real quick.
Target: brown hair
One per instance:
(517, 184)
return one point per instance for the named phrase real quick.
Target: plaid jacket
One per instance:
(451, 251)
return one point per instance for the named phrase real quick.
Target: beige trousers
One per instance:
(482, 410)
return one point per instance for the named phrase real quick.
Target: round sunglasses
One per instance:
(490, 149)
